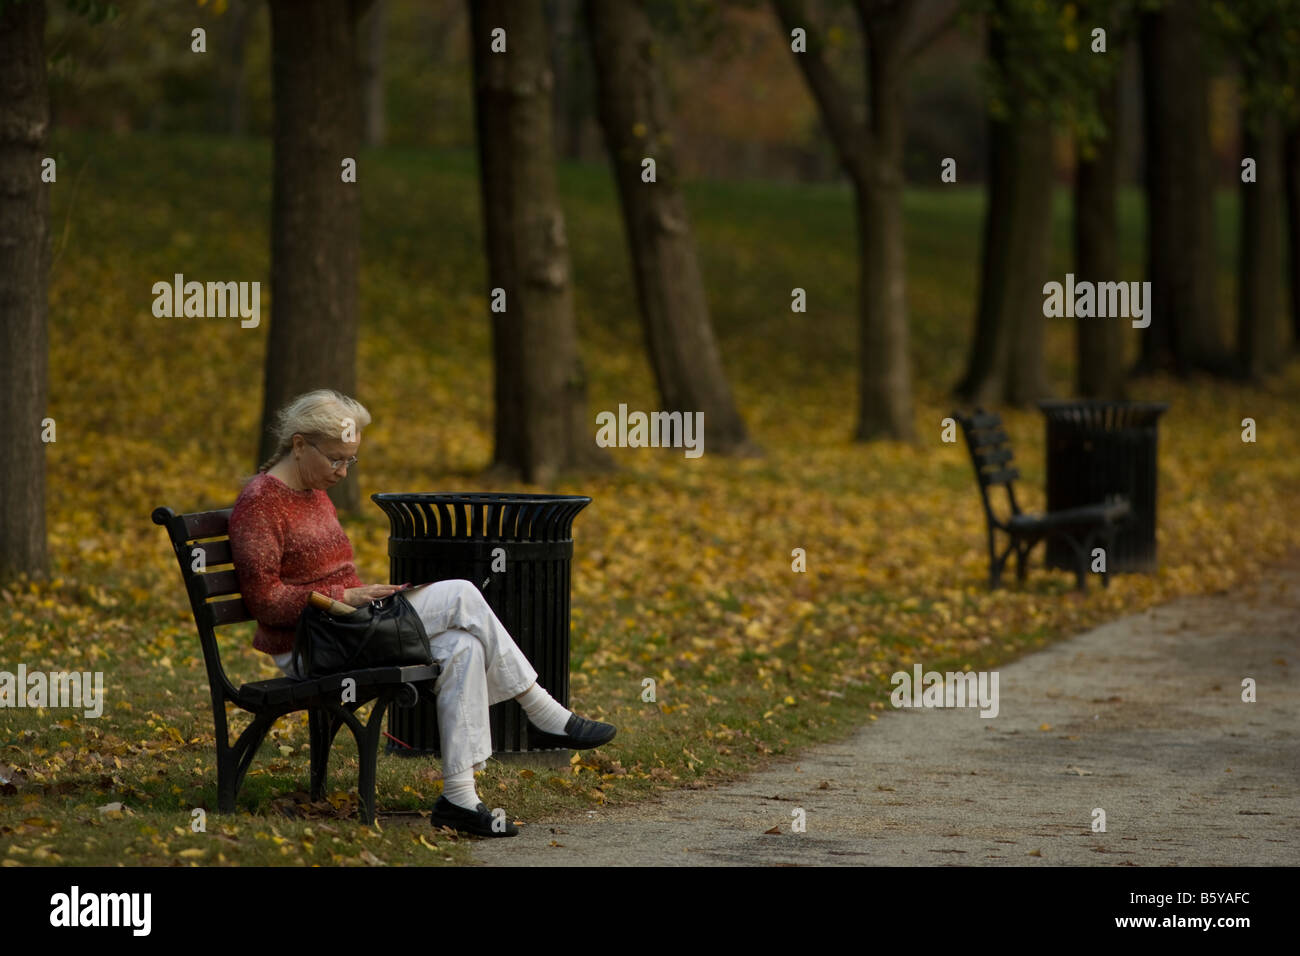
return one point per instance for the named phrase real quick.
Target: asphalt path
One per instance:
(1142, 718)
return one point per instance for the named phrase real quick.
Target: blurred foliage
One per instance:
(1050, 69)
(1263, 36)
(93, 11)
(136, 70)
(693, 26)
(741, 106)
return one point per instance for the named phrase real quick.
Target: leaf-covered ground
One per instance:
(682, 566)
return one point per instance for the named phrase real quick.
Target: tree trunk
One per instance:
(1100, 342)
(871, 156)
(24, 271)
(634, 115)
(1006, 358)
(234, 93)
(884, 362)
(1259, 338)
(315, 216)
(1026, 367)
(1292, 178)
(542, 426)
(1184, 335)
(568, 61)
(373, 102)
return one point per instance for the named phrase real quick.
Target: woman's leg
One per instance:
(482, 665)
(462, 710)
(457, 604)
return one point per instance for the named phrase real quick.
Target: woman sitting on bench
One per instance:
(286, 542)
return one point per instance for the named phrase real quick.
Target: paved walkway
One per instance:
(1146, 722)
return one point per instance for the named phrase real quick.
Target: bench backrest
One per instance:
(214, 594)
(990, 453)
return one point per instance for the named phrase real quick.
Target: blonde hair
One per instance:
(321, 414)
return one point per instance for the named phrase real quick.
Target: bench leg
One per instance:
(1081, 554)
(1022, 562)
(1110, 554)
(233, 761)
(367, 738)
(322, 728)
(1021, 547)
(993, 563)
(1106, 535)
(998, 562)
(369, 751)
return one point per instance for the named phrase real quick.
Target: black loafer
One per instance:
(579, 734)
(477, 821)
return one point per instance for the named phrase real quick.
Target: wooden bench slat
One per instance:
(228, 612)
(214, 552)
(207, 524)
(994, 456)
(217, 583)
(988, 436)
(1002, 477)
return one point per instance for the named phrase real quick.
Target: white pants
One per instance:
(481, 665)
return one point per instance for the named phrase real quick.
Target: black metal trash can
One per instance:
(1096, 449)
(441, 536)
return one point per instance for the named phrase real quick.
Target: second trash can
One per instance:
(517, 549)
(1096, 449)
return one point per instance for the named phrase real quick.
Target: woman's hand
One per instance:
(360, 597)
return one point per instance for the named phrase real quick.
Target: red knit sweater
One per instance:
(286, 544)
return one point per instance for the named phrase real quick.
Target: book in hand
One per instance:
(413, 587)
(331, 606)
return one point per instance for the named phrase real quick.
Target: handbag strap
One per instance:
(295, 660)
(370, 632)
(301, 659)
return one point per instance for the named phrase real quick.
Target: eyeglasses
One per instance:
(335, 463)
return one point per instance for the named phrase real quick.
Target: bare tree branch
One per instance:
(359, 8)
(942, 20)
(851, 138)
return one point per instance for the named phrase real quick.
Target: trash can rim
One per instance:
(1051, 404)
(471, 497)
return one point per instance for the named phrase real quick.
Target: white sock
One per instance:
(459, 789)
(544, 710)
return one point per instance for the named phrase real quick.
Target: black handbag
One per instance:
(383, 633)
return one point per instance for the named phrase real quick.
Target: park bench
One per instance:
(215, 602)
(1081, 528)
